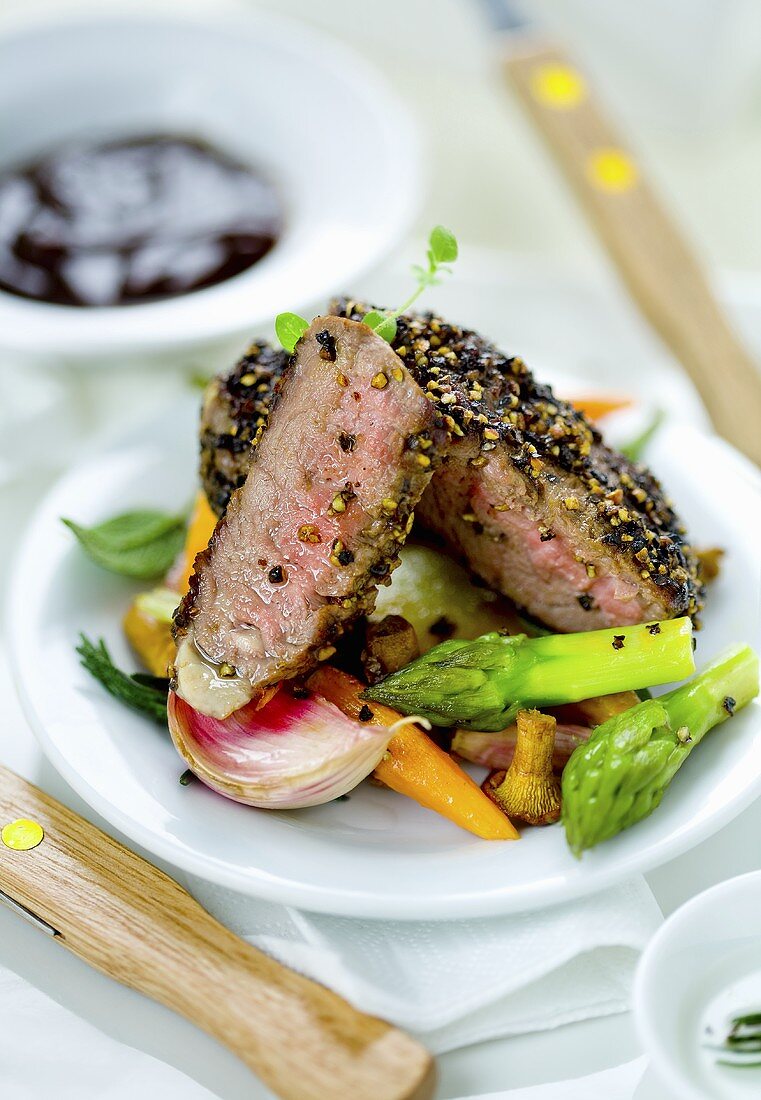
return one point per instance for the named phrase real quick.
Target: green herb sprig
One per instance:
(741, 1043)
(147, 694)
(141, 544)
(442, 250)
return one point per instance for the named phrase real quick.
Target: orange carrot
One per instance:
(595, 408)
(200, 529)
(414, 765)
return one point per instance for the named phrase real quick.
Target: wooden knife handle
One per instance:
(650, 252)
(130, 920)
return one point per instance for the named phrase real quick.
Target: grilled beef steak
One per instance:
(327, 502)
(528, 494)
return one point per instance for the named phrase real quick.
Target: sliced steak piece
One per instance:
(543, 542)
(532, 498)
(351, 444)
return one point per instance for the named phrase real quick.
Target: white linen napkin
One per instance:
(453, 983)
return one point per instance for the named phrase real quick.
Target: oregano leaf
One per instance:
(443, 245)
(381, 323)
(442, 249)
(289, 328)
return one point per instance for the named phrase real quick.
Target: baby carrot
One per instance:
(414, 765)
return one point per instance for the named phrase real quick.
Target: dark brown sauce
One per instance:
(132, 221)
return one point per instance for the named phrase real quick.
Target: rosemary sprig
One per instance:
(147, 694)
(741, 1045)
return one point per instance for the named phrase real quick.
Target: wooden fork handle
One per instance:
(130, 920)
(651, 254)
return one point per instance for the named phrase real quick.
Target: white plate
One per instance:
(707, 956)
(379, 854)
(268, 89)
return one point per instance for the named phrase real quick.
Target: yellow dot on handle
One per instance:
(558, 86)
(612, 170)
(22, 835)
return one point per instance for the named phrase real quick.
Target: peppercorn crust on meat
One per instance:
(528, 494)
(328, 499)
(235, 407)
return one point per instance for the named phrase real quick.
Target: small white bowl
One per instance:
(326, 129)
(704, 949)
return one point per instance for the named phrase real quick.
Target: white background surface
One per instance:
(479, 145)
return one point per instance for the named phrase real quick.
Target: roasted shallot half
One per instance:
(292, 752)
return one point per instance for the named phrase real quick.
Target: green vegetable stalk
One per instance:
(484, 683)
(620, 775)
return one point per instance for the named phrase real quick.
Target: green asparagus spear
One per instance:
(484, 683)
(619, 776)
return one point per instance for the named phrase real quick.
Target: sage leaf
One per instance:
(140, 544)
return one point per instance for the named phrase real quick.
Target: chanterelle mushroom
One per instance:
(529, 790)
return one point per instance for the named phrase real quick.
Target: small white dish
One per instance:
(704, 961)
(378, 854)
(337, 143)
